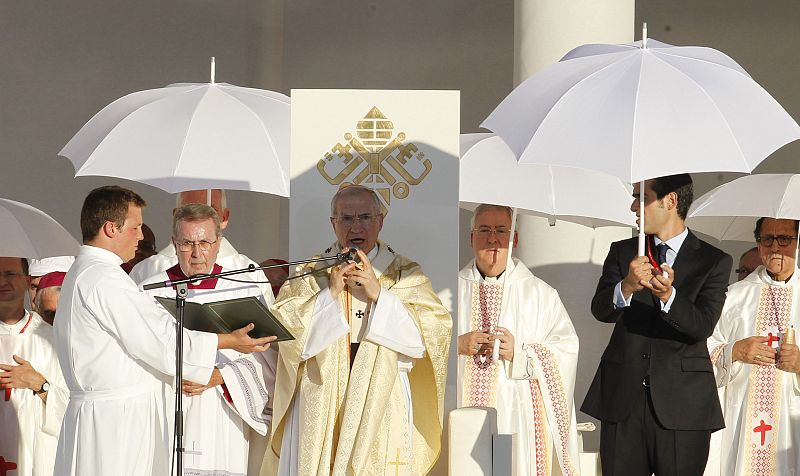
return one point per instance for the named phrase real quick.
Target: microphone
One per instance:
(349, 255)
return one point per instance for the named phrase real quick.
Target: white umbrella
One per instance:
(558, 193)
(643, 110)
(28, 232)
(188, 137)
(730, 211)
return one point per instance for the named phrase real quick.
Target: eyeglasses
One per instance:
(782, 240)
(348, 221)
(186, 245)
(9, 275)
(486, 231)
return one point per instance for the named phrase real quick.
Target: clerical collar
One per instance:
(777, 281)
(175, 273)
(489, 280)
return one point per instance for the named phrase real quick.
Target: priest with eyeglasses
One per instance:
(227, 418)
(531, 380)
(360, 390)
(757, 361)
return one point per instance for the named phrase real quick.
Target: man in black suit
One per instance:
(654, 391)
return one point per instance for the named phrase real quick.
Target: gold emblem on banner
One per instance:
(375, 158)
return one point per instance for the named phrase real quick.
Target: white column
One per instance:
(570, 257)
(545, 30)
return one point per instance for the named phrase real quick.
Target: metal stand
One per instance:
(181, 291)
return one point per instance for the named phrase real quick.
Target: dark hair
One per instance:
(760, 221)
(104, 204)
(25, 266)
(681, 184)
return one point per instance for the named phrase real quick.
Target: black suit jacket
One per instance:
(669, 347)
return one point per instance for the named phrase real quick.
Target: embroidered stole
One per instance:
(480, 374)
(765, 384)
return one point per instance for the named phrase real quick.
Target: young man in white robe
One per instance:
(360, 390)
(227, 257)
(116, 347)
(32, 391)
(754, 364)
(532, 384)
(233, 410)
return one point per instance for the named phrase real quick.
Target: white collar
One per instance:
(101, 253)
(11, 329)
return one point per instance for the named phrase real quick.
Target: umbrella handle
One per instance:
(641, 219)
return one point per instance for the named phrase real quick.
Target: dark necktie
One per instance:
(662, 248)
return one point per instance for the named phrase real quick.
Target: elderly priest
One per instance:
(360, 391)
(224, 415)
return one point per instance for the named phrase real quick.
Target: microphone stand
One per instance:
(181, 290)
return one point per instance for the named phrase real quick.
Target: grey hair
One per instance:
(37, 301)
(223, 198)
(485, 207)
(354, 190)
(195, 212)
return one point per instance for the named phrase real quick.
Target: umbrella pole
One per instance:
(509, 262)
(795, 277)
(641, 218)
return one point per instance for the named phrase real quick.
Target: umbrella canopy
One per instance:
(730, 211)
(190, 136)
(28, 232)
(576, 195)
(643, 110)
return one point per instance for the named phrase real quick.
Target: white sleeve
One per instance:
(390, 325)
(250, 381)
(57, 399)
(328, 324)
(147, 331)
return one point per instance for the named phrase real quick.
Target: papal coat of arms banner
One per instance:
(403, 145)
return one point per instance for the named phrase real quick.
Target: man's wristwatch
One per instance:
(45, 388)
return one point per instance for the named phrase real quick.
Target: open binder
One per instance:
(227, 316)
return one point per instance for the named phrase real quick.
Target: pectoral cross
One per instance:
(771, 338)
(763, 428)
(397, 463)
(5, 466)
(360, 314)
(8, 394)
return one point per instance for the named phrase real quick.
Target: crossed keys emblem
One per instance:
(375, 159)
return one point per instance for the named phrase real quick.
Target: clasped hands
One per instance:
(480, 342)
(641, 275)
(756, 351)
(359, 277)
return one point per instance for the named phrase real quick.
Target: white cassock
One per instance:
(116, 348)
(533, 394)
(761, 403)
(221, 422)
(29, 427)
(227, 257)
